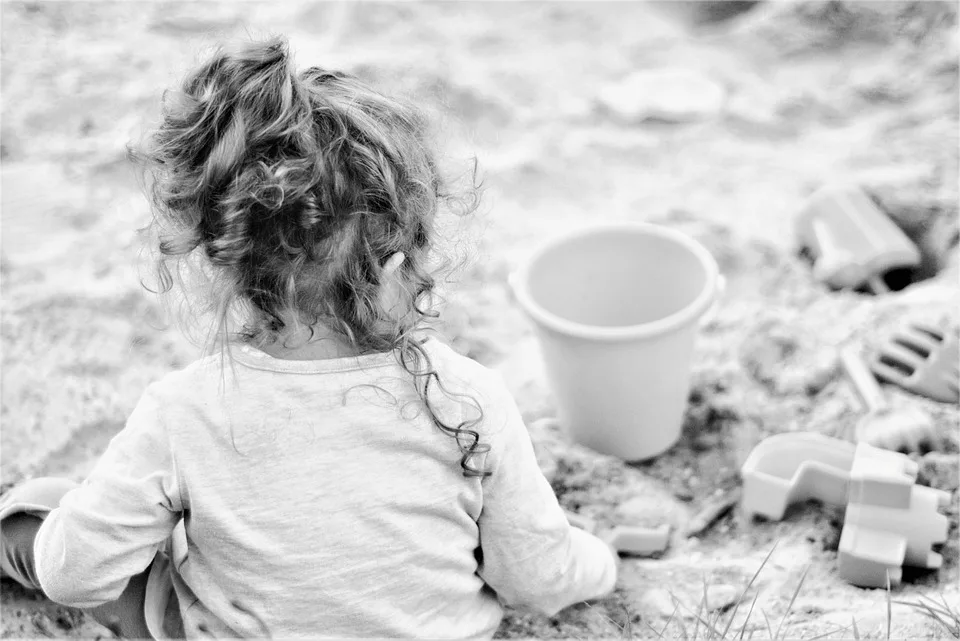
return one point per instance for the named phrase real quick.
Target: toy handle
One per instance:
(862, 379)
(711, 313)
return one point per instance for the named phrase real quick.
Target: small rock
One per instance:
(660, 601)
(652, 510)
(940, 471)
(670, 95)
(721, 596)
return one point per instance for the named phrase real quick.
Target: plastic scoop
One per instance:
(906, 429)
(924, 360)
(853, 242)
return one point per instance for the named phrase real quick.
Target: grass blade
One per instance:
(703, 604)
(945, 616)
(769, 627)
(628, 625)
(839, 629)
(683, 628)
(792, 599)
(747, 620)
(889, 606)
(669, 620)
(747, 589)
(653, 629)
(700, 619)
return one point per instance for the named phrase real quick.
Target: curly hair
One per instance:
(291, 190)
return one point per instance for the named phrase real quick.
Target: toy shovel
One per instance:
(924, 360)
(905, 429)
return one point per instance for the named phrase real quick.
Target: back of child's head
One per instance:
(287, 191)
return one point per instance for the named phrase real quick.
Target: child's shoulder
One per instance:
(193, 378)
(462, 375)
(461, 369)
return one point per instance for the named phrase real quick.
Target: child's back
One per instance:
(321, 499)
(334, 473)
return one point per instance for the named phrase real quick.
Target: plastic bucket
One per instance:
(616, 309)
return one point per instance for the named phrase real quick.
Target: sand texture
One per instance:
(540, 93)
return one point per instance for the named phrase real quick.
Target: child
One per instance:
(332, 472)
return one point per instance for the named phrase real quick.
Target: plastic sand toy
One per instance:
(853, 243)
(639, 541)
(889, 521)
(923, 359)
(619, 366)
(903, 429)
(626, 539)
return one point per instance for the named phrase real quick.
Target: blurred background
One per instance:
(555, 101)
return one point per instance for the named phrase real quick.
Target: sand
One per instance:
(867, 92)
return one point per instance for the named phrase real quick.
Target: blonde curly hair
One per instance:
(290, 190)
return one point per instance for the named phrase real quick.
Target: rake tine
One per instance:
(934, 331)
(919, 342)
(887, 373)
(902, 355)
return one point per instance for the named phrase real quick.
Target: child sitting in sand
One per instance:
(331, 471)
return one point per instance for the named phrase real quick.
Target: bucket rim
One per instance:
(687, 314)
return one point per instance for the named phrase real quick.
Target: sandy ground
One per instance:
(812, 95)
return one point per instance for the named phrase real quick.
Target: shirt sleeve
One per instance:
(110, 527)
(532, 557)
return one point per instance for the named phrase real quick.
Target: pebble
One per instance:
(721, 596)
(668, 94)
(940, 471)
(660, 601)
(652, 510)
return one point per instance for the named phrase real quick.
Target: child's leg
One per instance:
(18, 529)
(18, 532)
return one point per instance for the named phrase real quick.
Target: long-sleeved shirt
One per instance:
(319, 497)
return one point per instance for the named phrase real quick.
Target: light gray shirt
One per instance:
(321, 498)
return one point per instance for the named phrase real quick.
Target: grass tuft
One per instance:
(944, 615)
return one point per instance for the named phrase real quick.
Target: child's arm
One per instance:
(110, 528)
(532, 557)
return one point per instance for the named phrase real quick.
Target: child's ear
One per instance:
(393, 263)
